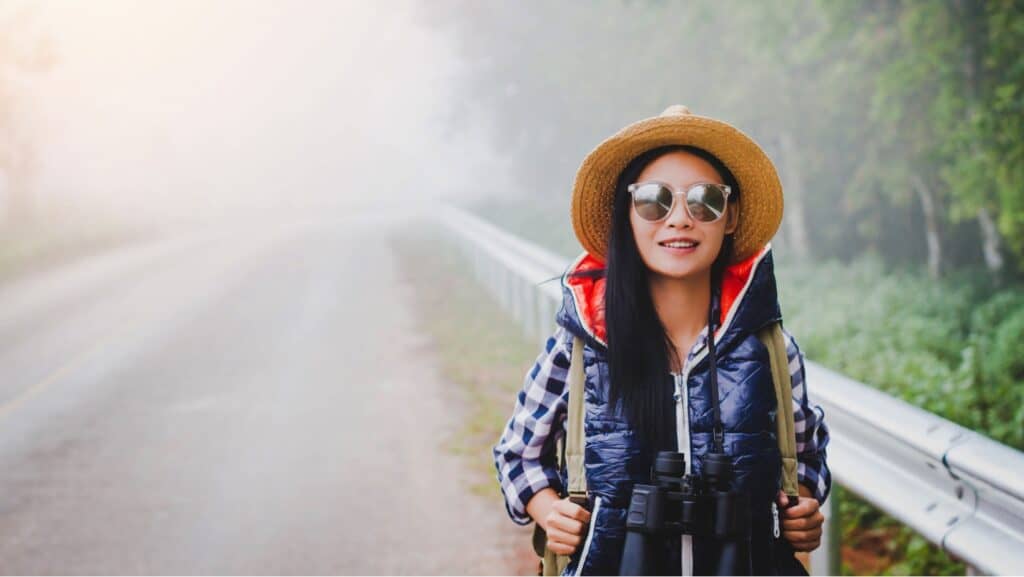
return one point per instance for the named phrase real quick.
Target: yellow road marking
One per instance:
(53, 377)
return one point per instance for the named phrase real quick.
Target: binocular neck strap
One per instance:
(719, 430)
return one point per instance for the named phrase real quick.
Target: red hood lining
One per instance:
(588, 292)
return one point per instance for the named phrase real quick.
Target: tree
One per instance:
(948, 93)
(896, 125)
(22, 54)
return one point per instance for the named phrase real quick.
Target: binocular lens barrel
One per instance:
(676, 503)
(670, 464)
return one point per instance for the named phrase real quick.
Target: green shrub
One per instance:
(953, 347)
(950, 347)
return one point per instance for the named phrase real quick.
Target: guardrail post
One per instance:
(544, 316)
(508, 290)
(826, 560)
(499, 285)
(521, 288)
(530, 309)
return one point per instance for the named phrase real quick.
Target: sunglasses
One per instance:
(705, 201)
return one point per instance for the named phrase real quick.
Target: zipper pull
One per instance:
(775, 519)
(678, 396)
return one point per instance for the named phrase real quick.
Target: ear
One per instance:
(732, 218)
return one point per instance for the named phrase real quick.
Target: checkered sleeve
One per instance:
(811, 431)
(525, 456)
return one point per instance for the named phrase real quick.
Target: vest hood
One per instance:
(749, 299)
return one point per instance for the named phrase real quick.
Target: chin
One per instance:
(677, 270)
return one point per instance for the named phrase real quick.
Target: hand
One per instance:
(801, 524)
(565, 524)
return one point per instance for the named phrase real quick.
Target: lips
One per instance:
(679, 243)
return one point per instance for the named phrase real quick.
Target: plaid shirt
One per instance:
(525, 455)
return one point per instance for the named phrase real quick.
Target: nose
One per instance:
(679, 217)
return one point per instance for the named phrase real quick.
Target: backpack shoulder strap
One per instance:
(571, 458)
(574, 434)
(773, 340)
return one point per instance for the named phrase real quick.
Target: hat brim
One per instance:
(760, 203)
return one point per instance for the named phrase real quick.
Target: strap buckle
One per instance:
(579, 498)
(719, 432)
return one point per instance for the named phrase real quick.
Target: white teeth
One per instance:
(680, 244)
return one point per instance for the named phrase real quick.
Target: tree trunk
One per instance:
(795, 221)
(972, 15)
(990, 242)
(932, 235)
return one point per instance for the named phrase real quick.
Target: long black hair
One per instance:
(639, 348)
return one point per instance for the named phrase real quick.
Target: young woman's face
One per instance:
(680, 170)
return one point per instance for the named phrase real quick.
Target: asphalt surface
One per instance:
(252, 400)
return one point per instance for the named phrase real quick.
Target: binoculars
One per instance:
(677, 504)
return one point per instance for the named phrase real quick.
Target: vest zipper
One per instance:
(590, 536)
(683, 442)
(775, 520)
(682, 399)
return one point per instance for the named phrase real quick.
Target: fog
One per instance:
(167, 111)
(226, 349)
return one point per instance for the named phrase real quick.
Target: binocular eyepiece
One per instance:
(677, 504)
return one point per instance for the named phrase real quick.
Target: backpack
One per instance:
(571, 448)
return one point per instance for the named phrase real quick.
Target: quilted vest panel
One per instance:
(615, 460)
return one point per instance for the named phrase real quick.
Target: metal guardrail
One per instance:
(958, 489)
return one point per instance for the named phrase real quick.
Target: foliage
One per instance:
(950, 347)
(866, 108)
(897, 129)
(955, 348)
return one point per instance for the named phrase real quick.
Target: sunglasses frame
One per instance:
(726, 190)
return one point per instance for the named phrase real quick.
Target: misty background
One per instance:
(161, 112)
(292, 143)
(890, 125)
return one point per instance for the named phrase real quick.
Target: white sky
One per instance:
(190, 105)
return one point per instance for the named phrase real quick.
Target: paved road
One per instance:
(253, 401)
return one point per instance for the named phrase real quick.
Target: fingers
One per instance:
(782, 499)
(804, 539)
(560, 548)
(810, 535)
(803, 523)
(807, 546)
(566, 524)
(571, 510)
(804, 507)
(559, 536)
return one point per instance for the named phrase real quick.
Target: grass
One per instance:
(49, 242)
(481, 350)
(486, 357)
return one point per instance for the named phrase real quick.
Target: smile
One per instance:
(680, 246)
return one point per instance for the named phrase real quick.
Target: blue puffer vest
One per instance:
(614, 458)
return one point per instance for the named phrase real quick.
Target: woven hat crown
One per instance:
(676, 110)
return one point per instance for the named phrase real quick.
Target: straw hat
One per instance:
(760, 201)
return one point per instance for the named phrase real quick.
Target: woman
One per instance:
(675, 213)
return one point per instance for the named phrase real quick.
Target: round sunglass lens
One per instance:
(706, 202)
(652, 201)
